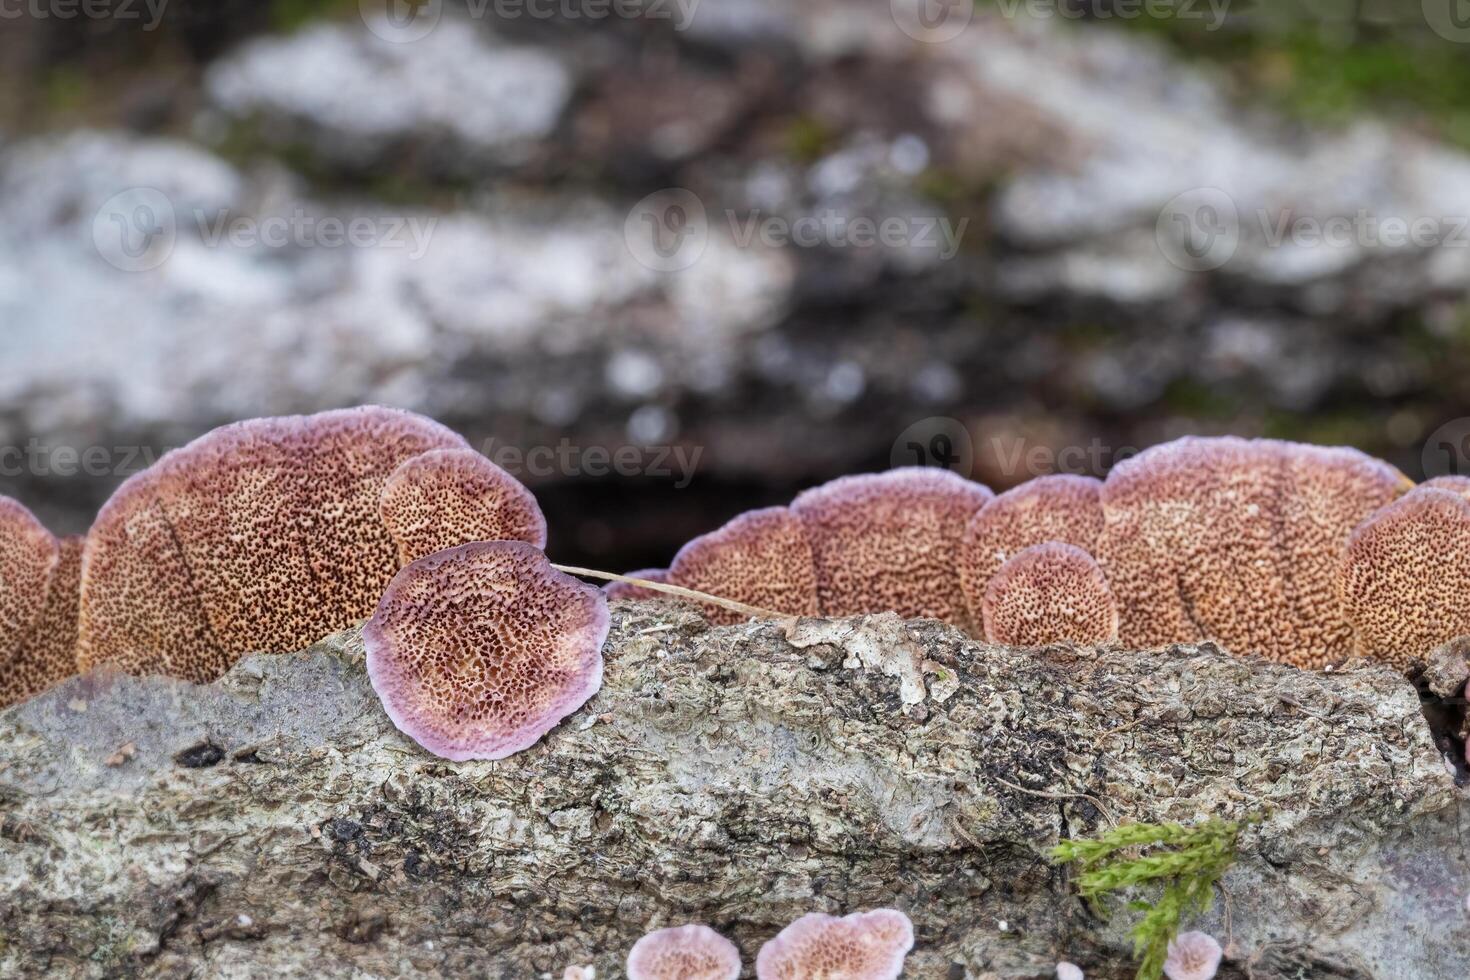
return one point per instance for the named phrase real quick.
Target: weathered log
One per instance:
(276, 824)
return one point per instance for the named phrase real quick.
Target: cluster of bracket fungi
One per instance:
(272, 533)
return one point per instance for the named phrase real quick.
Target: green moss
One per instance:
(1323, 61)
(808, 139)
(1179, 864)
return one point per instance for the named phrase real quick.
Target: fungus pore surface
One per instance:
(889, 541)
(261, 535)
(448, 497)
(1061, 508)
(861, 946)
(1050, 593)
(39, 583)
(691, 952)
(1238, 541)
(1405, 577)
(478, 651)
(761, 558)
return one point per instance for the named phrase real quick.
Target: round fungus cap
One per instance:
(478, 651)
(889, 541)
(861, 946)
(692, 952)
(39, 582)
(262, 535)
(1192, 956)
(448, 497)
(761, 558)
(1062, 508)
(627, 590)
(1405, 582)
(1050, 593)
(1238, 541)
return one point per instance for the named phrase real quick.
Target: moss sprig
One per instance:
(1182, 862)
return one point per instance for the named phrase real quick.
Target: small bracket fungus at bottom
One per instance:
(692, 952)
(861, 946)
(478, 651)
(1192, 956)
(1050, 593)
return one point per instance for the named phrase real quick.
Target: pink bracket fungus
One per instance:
(260, 535)
(1238, 541)
(1061, 508)
(628, 590)
(1192, 956)
(448, 497)
(28, 554)
(761, 557)
(478, 651)
(889, 541)
(1050, 593)
(1405, 577)
(1452, 483)
(692, 952)
(39, 582)
(861, 946)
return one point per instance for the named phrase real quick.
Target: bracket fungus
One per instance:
(889, 541)
(1050, 593)
(1062, 507)
(478, 651)
(269, 534)
(861, 946)
(39, 580)
(1238, 540)
(761, 557)
(448, 497)
(1405, 577)
(691, 952)
(629, 590)
(1193, 956)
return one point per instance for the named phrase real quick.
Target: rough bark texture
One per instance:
(276, 824)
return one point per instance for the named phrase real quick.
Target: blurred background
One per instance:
(667, 260)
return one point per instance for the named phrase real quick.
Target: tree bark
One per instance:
(275, 823)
